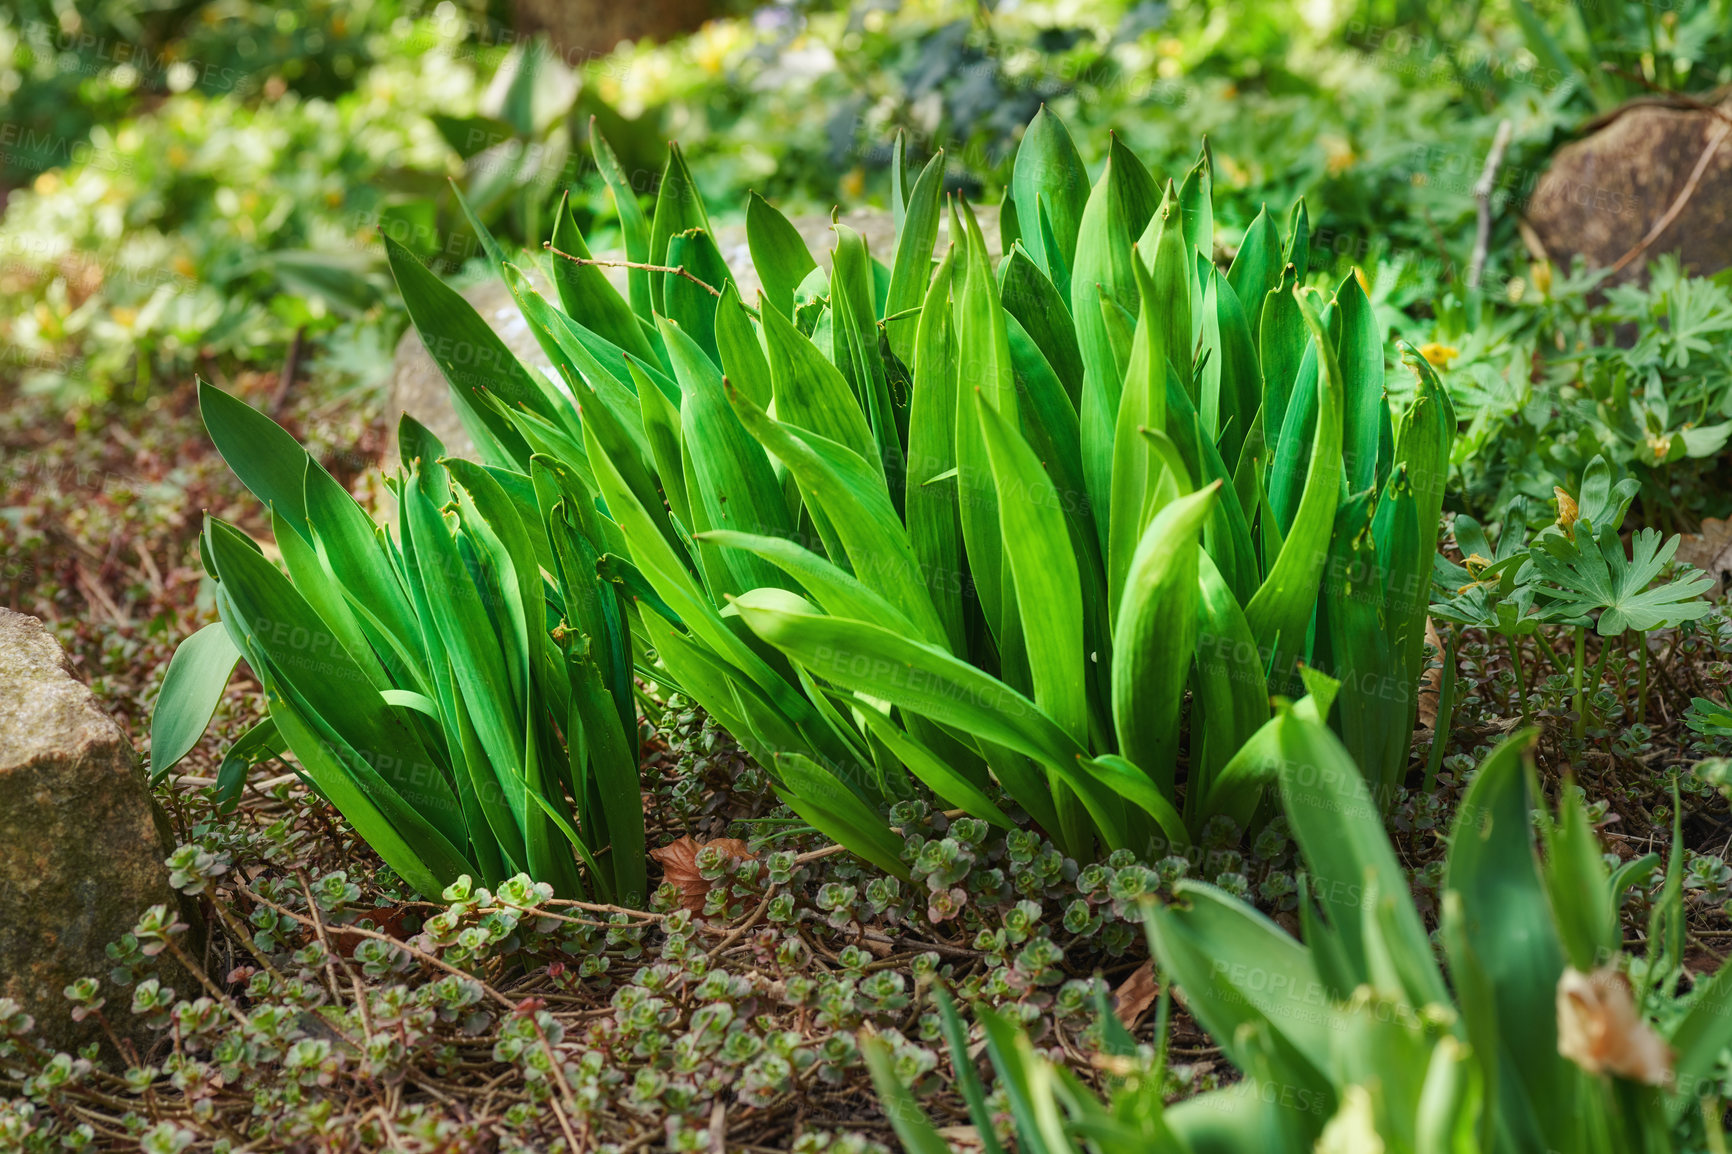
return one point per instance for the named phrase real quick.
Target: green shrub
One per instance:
(458, 705)
(1639, 375)
(910, 523)
(936, 521)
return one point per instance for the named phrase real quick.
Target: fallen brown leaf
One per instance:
(1431, 685)
(1136, 994)
(679, 862)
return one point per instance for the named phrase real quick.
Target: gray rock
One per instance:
(418, 388)
(1602, 194)
(81, 845)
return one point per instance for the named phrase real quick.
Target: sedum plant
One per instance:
(1546, 1035)
(458, 684)
(985, 528)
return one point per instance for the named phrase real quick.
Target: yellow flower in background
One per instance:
(853, 183)
(1438, 354)
(183, 265)
(1234, 172)
(1567, 511)
(47, 184)
(712, 43)
(1540, 273)
(1338, 154)
(123, 316)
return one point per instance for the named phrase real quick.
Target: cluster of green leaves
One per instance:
(1638, 374)
(932, 521)
(214, 228)
(1575, 573)
(1350, 1038)
(73, 67)
(1610, 52)
(459, 690)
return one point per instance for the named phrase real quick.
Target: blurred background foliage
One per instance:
(200, 186)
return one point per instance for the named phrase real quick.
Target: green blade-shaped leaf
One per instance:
(930, 505)
(268, 461)
(1507, 925)
(1241, 972)
(1338, 824)
(849, 493)
(869, 659)
(1044, 567)
(689, 304)
(1155, 637)
(812, 393)
(192, 688)
(679, 208)
(472, 358)
(1044, 313)
(916, 234)
(1049, 177)
(1280, 612)
(1231, 697)
(1256, 268)
(258, 744)
(815, 794)
(1365, 412)
(585, 292)
(1123, 200)
(912, 1127)
(634, 228)
(779, 254)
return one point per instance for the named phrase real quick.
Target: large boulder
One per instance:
(418, 388)
(1604, 193)
(81, 845)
